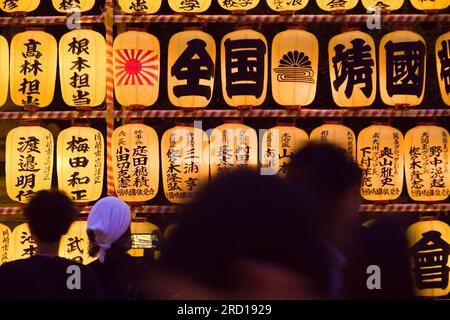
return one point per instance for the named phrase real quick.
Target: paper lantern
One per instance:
(353, 72)
(75, 244)
(5, 244)
(136, 68)
(33, 68)
(23, 245)
(189, 6)
(443, 65)
(135, 162)
(191, 69)
(238, 5)
(286, 5)
(4, 70)
(184, 162)
(11, 6)
(402, 68)
(82, 68)
(427, 163)
(429, 246)
(382, 5)
(80, 163)
(380, 155)
(232, 145)
(140, 6)
(430, 5)
(244, 65)
(29, 162)
(336, 134)
(336, 5)
(73, 5)
(169, 231)
(279, 145)
(295, 59)
(142, 237)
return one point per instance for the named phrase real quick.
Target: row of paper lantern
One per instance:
(189, 156)
(244, 68)
(200, 6)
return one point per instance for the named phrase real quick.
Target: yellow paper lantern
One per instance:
(136, 68)
(238, 5)
(380, 155)
(189, 6)
(286, 5)
(73, 5)
(430, 5)
(29, 162)
(4, 70)
(82, 68)
(244, 65)
(23, 245)
(427, 163)
(443, 66)
(75, 244)
(295, 59)
(135, 162)
(191, 69)
(232, 145)
(33, 68)
(142, 237)
(80, 163)
(140, 6)
(353, 72)
(382, 5)
(336, 5)
(184, 162)
(336, 134)
(429, 242)
(402, 68)
(279, 145)
(11, 6)
(5, 244)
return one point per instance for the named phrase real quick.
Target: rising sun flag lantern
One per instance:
(336, 134)
(189, 6)
(33, 69)
(238, 5)
(191, 69)
(5, 244)
(140, 6)
(429, 247)
(244, 68)
(427, 163)
(184, 162)
(442, 50)
(73, 5)
(382, 5)
(4, 70)
(82, 66)
(12, 6)
(380, 156)
(136, 68)
(74, 244)
(141, 237)
(286, 5)
(336, 5)
(295, 59)
(29, 162)
(402, 68)
(23, 245)
(80, 162)
(353, 72)
(135, 162)
(430, 5)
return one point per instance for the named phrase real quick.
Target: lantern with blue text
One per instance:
(427, 163)
(73, 6)
(336, 134)
(336, 5)
(295, 59)
(279, 145)
(244, 68)
(82, 66)
(12, 6)
(382, 5)
(429, 242)
(140, 6)
(5, 244)
(74, 244)
(238, 5)
(80, 162)
(184, 162)
(443, 66)
(232, 145)
(135, 162)
(29, 162)
(191, 69)
(4, 70)
(142, 238)
(189, 6)
(286, 5)
(136, 68)
(402, 68)
(353, 72)
(23, 245)
(380, 156)
(33, 69)
(430, 5)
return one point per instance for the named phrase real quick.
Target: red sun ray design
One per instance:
(136, 67)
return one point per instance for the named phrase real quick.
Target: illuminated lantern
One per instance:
(430, 5)
(244, 65)
(295, 59)
(184, 162)
(286, 5)
(73, 6)
(442, 64)
(136, 68)
(140, 6)
(429, 242)
(382, 5)
(80, 163)
(135, 162)
(380, 155)
(353, 72)
(5, 244)
(427, 163)
(278, 147)
(74, 244)
(232, 145)
(19, 5)
(33, 68)
(82, 66)
(189, 6)
(402, 68)
(336, 134)
(23, 245)
(336, 5)
(29, 162)
(4, 70)
(142, 233)
(191, 66)
(238, 5)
